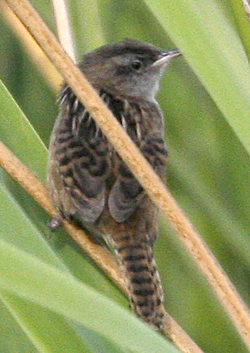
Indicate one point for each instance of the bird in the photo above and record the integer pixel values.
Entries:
(89, 183)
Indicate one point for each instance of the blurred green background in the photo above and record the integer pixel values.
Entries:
(208, 169)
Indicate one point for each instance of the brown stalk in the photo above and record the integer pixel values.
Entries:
(39, 58)
(33, 186)
(218, 280)
(38, 191)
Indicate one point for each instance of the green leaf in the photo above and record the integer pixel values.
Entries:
(56, 290)
(214, 50)
(13, 123)
(23, 223)
(48, 331)
(9, 328)
(208, 169)
(242, 21)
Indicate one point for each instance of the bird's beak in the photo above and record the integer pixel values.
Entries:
(165, 56)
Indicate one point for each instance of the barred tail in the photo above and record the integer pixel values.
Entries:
(137, 262)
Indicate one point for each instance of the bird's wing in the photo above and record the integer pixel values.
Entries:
(127, 194)
(82, 155)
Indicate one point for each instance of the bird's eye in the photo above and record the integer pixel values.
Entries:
(136, 65)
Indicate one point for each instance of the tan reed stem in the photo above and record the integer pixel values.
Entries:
(33, 186)
(218, 280)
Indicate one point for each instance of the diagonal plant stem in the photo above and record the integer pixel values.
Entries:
(47, 69)
(221, 285)
(38, 191)
(33, 186)
(63, 26)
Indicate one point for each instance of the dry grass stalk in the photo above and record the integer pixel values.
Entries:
(222, 286)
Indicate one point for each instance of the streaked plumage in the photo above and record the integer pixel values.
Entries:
(87, 179)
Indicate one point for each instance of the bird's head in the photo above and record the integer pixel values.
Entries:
(129, 69)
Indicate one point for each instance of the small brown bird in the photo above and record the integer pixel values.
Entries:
(89, 182)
